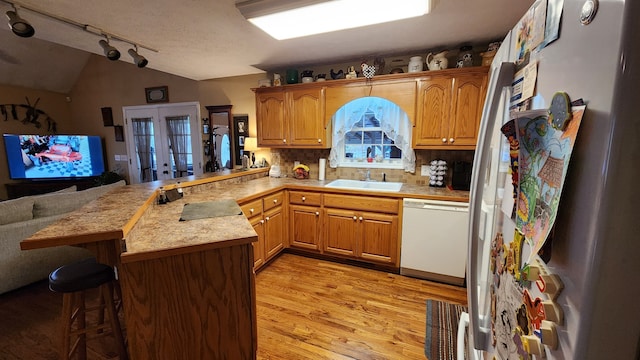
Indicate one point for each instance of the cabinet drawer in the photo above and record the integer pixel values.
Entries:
(273, 200)
(365, 203)
(252, 208)
(305, 198)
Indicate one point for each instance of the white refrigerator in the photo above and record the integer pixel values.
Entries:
(591, 268)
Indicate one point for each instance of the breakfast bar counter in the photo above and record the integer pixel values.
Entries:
(188, 286)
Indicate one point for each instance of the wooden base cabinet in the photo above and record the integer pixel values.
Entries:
(268, 220)
(352, 231)
(305, 221)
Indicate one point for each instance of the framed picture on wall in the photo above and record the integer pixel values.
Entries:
(158, 94)
(118, 131)
(240, 131)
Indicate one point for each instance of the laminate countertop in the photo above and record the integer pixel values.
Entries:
(151, 230)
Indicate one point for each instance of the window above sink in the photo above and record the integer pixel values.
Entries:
(372, 132)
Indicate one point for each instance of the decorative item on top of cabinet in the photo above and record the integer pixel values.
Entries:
(449, 111)
(292, 117)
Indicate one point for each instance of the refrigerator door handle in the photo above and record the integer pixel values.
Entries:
(503, 78)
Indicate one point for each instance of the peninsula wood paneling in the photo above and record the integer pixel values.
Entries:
(192, 306)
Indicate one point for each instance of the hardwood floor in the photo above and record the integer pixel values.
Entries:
(306, 309)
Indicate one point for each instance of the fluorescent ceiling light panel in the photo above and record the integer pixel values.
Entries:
(335, 15)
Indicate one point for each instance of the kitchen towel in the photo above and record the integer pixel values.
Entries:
(322, 164)
(209, 209)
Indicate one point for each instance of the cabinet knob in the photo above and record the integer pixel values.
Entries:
(317, 213)
(261, 221)
(444, 140)
(451, 140)
(319, 141)
(284, 141)
(267, 218)
(304, 198)
(355, 217)
(251, 211)
(275, 201)
(360, 218)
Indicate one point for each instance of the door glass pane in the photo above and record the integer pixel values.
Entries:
(143, 135)
(179, 137)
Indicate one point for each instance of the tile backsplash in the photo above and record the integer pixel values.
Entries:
(310, 158)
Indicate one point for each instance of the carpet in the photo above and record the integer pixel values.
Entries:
(442, 330)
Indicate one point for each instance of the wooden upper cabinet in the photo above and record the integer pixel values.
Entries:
(270, 111)
(469, 94)
(291, 117)
(449, 110)
(434, 107)
(305, 118)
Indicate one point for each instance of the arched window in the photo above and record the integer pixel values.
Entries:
(372, 132)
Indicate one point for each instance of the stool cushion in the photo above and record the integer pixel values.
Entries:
(80, 276)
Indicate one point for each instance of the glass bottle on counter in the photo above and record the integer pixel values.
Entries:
(162, 196)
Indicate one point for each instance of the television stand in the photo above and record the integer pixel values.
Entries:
(37, 187)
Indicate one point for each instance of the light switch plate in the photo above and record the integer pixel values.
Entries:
(424, 170)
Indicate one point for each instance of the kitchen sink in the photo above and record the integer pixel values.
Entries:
(365, 185)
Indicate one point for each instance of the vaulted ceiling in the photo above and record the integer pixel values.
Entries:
(205, 39)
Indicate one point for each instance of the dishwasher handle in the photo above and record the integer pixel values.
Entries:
(445, 208)
(435, 205)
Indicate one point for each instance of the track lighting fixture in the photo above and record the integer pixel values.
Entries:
(18, 25)
(22, 28)
(138, 59)
(109, 51)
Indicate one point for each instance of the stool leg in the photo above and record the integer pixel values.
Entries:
(67, 308)
(115, 322)
(82, 324)
(101, 309)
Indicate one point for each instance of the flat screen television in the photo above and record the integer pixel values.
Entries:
(53, 156)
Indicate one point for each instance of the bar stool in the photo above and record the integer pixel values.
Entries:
(73, 280)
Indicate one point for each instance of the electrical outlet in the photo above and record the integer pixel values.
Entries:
(424, 170)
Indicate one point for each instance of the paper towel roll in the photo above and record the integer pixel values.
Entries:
(321, 165)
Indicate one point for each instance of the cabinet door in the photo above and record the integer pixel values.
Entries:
(305, 117)
(270, 121)
(258, 246)
(434, 106)
(342, 232)
(304, 222)
(468, 93)
(379, 241)
(274, 232)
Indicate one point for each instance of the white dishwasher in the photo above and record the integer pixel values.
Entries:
(434, 240)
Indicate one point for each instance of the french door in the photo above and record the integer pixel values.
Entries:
(163, 141)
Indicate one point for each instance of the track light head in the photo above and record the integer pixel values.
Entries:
(18, 25)
(109, 51)
(138, 59)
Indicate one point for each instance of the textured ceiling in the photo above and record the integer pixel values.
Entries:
(205, 39)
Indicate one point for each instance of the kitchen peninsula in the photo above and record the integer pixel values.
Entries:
(188, 286)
